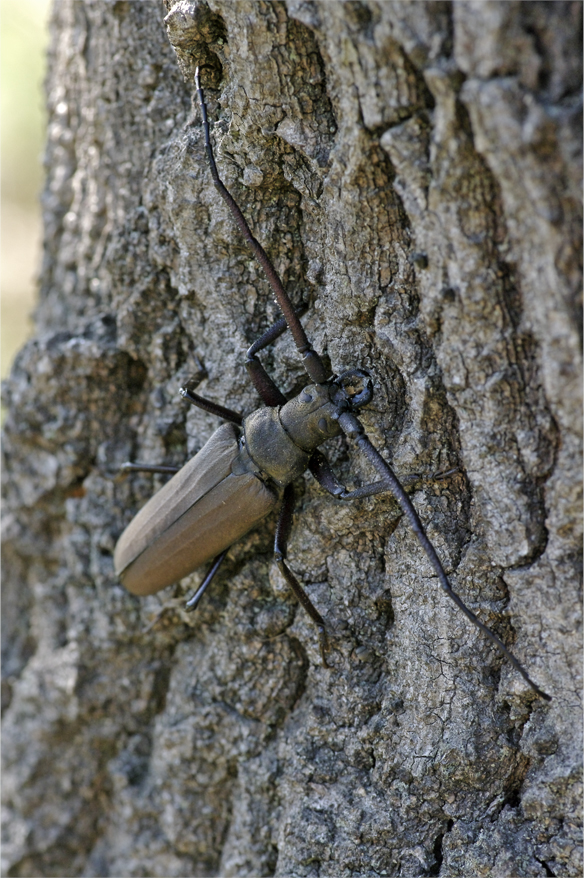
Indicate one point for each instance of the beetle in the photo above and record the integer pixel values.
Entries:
(248, 466)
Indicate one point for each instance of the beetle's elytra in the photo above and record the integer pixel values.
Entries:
(210, 503)
(247, 467)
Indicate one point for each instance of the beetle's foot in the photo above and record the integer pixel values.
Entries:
(192, 603)
(324, 645)
(161, 469)
(415, 481)
(443, 474)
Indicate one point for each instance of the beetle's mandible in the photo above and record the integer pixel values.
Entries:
(247, 467)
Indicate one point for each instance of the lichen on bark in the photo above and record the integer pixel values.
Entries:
(413, 170)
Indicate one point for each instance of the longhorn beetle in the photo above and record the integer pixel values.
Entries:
(248, 466)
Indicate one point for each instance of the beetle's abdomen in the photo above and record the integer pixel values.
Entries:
(202, 510)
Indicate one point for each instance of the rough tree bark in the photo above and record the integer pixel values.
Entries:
(413, 170)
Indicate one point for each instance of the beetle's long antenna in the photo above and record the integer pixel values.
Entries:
(312, 362)
(354, 430)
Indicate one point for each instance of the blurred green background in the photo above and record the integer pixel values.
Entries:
(23, 43)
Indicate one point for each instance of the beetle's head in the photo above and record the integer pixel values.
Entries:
(354, 389)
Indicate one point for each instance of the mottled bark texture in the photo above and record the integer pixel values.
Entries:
(413, 171)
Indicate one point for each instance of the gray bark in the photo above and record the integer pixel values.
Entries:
(413, 170)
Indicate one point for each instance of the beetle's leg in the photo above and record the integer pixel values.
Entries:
(280, 544)
(214, 408)
(266, 387)
(352, 428)
(324, 475)
(411, 482)
(312, 362)
(322, 472)
(193, 602)
(269, 391)
(148, 468)
(271, 394)
(274, 332)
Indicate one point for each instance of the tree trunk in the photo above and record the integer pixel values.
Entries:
(413, 171)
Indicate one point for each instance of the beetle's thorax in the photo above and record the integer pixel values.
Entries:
(309, 418)
(281, 440)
